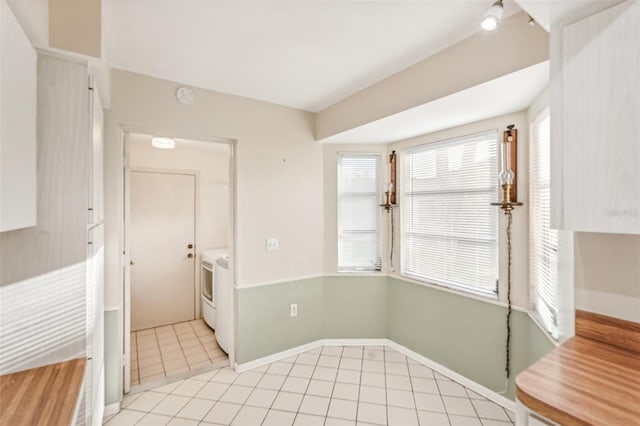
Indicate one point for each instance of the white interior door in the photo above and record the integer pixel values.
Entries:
(162, 242)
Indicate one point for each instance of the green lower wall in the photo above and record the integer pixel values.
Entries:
(112, 386)
(464, 334)
(328, 307)
(355, 307)
(264, 326)
(539, 343)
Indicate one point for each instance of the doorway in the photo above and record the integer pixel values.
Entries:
(177, 205)
(162, 238)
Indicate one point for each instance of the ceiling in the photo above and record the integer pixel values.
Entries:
(548, 12)
(298, 53)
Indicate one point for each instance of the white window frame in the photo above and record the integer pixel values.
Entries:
(493, 293)
(378, 266)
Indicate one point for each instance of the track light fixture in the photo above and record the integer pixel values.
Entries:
(492, 16)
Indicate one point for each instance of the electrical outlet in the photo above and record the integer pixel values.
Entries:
(273, 244)
(293, 310)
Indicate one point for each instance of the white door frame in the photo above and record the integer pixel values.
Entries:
(124, 246)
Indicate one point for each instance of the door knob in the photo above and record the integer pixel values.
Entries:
(190, 246)
(131, 262)
(190, 255)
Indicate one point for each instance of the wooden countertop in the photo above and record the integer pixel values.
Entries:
(587, 380)
(41, 396)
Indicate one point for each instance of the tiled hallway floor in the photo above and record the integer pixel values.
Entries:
(172, 349)
(331, 386)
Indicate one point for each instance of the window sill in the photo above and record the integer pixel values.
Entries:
(536, 320)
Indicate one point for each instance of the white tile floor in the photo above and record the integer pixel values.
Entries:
(331, 386)
(173, 349)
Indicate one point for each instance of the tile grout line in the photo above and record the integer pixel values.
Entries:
(333, 388)
(164, 367)
(137, 361)
(214, 402)
(201, 342)
(435, 379)
(413, 393)
(280, 390)
(386, 400)
(307, 388)
(156, 346)
(360, 384)
(184, 355)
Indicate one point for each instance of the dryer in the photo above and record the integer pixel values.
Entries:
(224, 312)
(207, 286)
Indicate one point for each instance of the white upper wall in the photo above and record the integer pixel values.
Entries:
(278, 174)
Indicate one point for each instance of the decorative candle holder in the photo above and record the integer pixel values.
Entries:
(508, 172)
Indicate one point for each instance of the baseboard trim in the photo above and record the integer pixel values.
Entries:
(464, 381)
(355, 342)
(240, 368)
(111, 409)
(279, 356)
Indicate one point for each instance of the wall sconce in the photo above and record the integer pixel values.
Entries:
(508, 176)
(390, 193)
(390, 201)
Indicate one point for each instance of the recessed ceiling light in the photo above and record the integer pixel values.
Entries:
(163, 143)
(492, 16)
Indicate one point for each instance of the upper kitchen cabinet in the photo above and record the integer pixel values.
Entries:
(18, 97)
(596, 164)
(96, 113)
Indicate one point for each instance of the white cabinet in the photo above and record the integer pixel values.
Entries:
(18, 87)
(598, 172)
(94, 377)
(96, 181)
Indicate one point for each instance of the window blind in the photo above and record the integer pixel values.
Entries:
(358, 213)
(543, 241)
(449, 228)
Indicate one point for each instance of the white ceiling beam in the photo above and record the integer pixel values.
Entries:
(480, 58)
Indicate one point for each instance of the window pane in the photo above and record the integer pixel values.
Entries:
(449, 227)
(543, 241)
(358, 213)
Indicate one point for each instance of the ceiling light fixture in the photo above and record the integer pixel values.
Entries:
(163, 143)
(492, 16)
